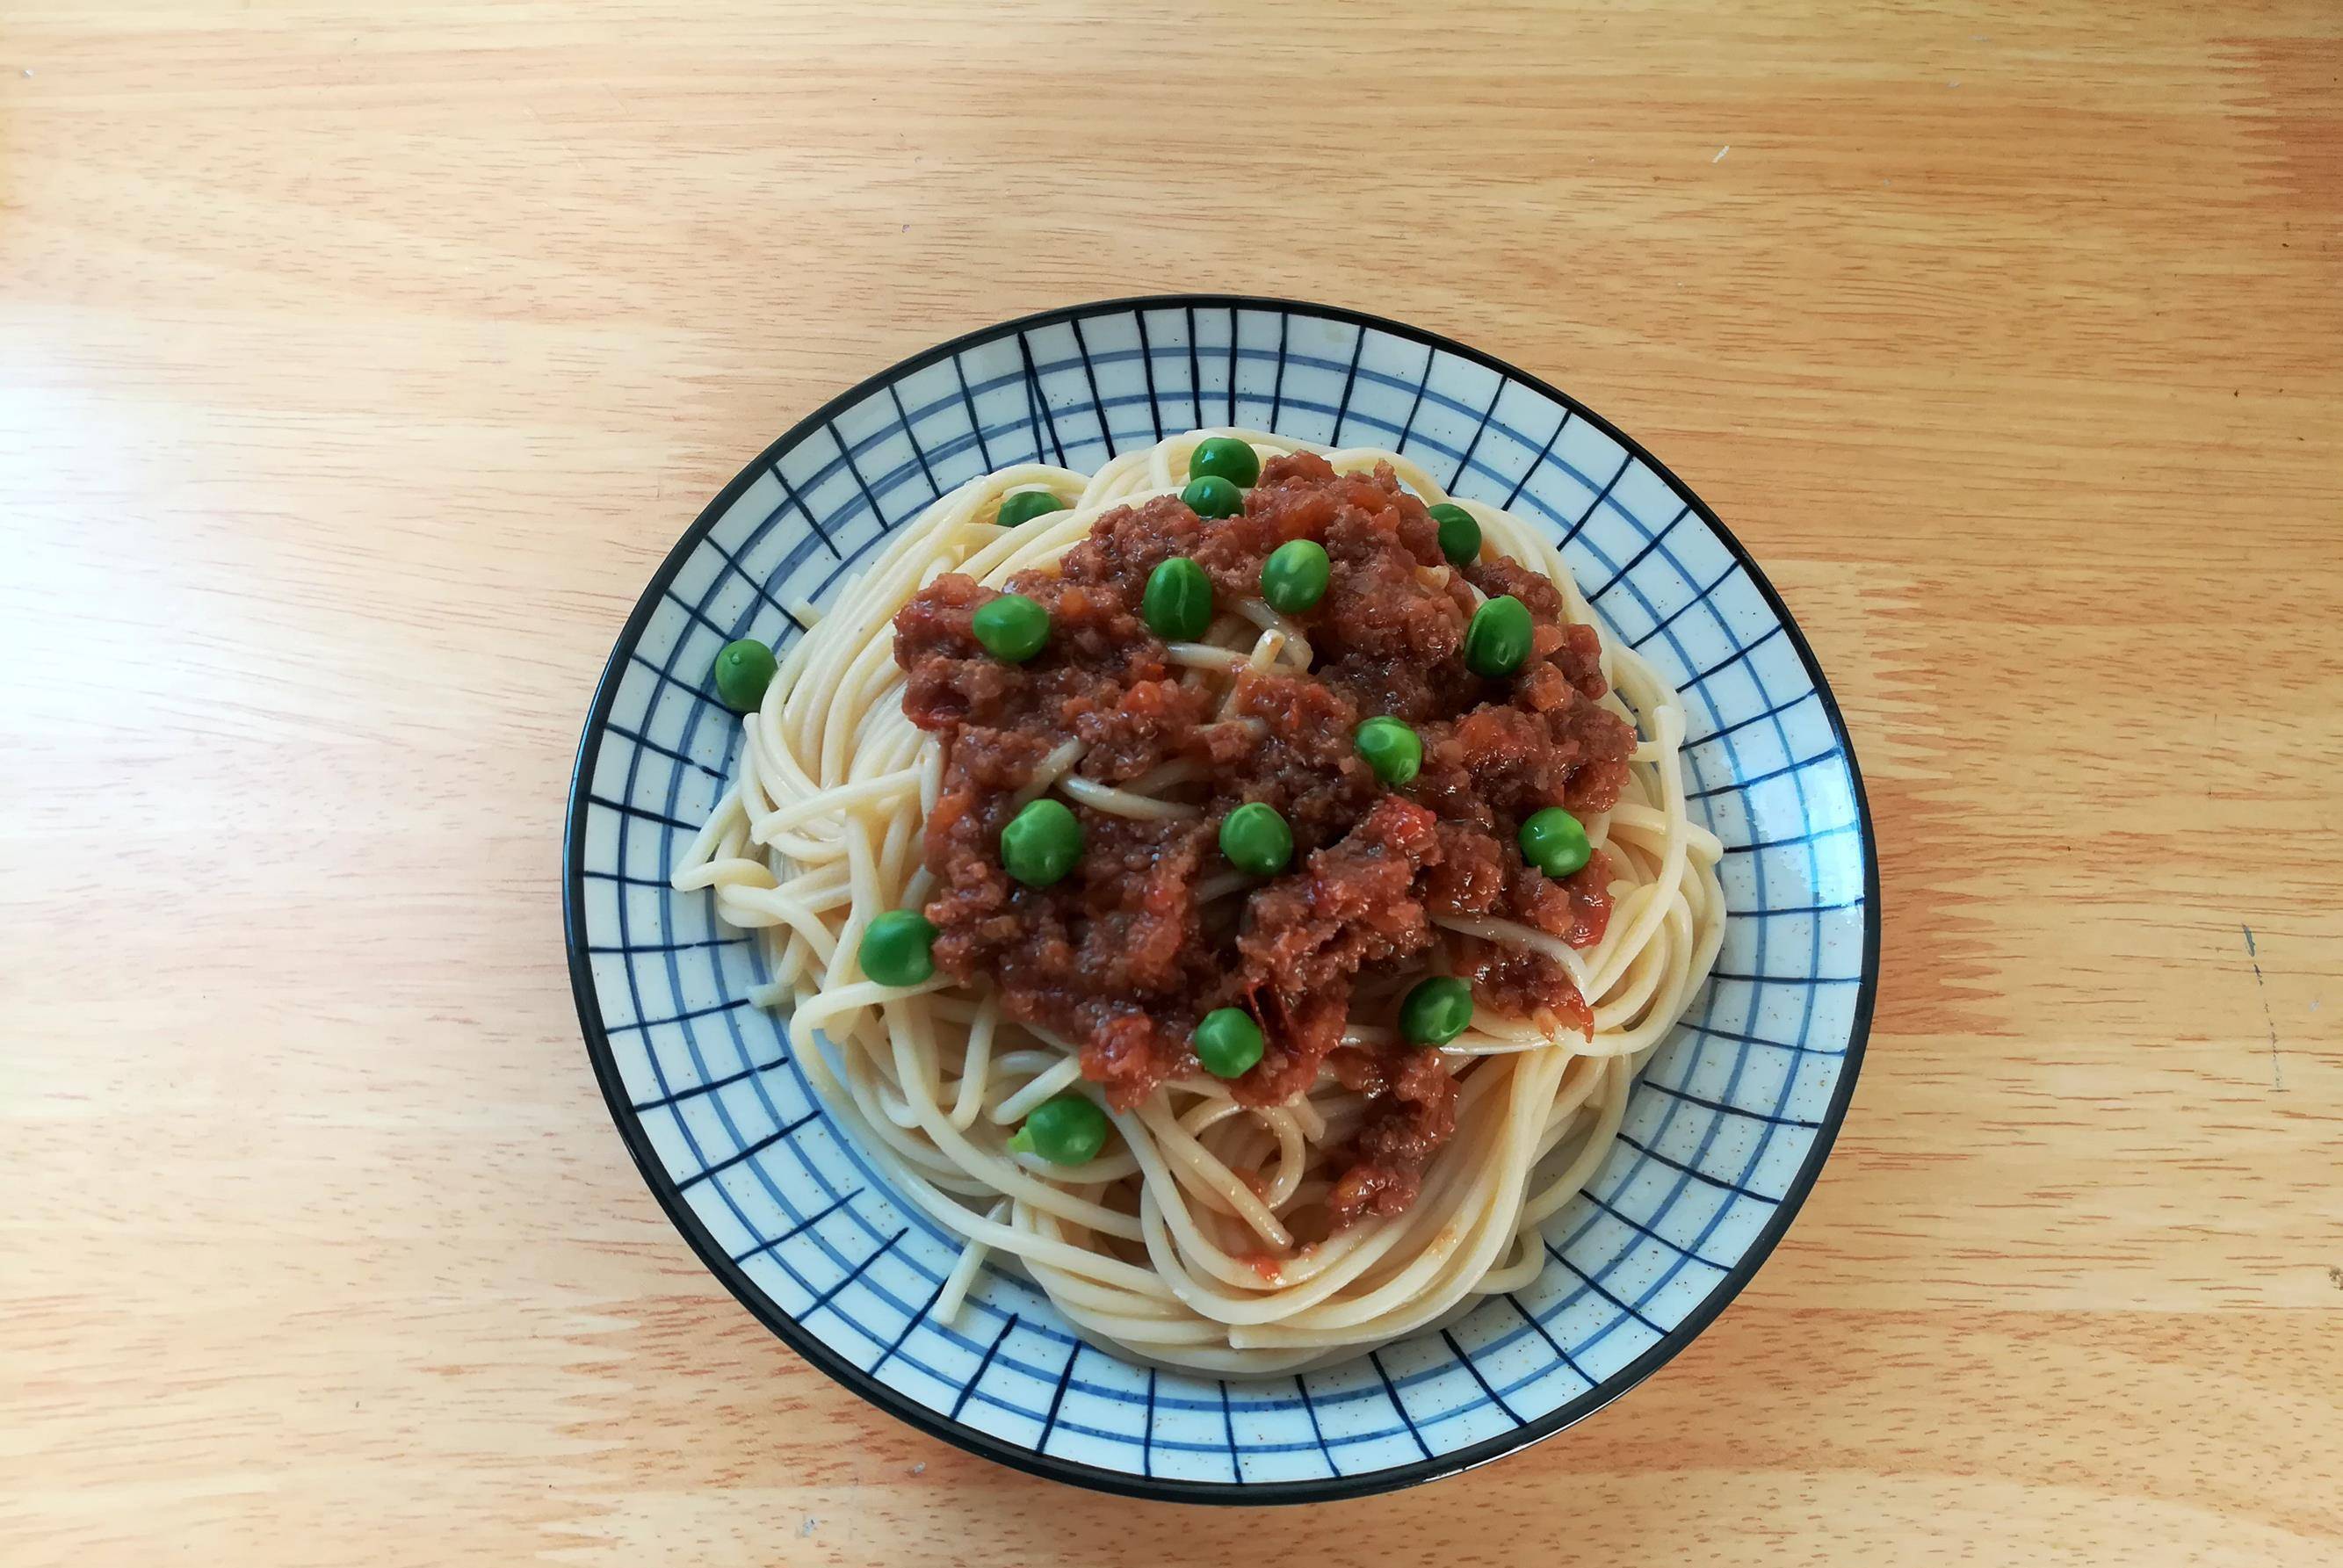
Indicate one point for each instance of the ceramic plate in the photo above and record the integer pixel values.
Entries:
(1728, 1124)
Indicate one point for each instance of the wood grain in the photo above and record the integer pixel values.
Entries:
(359, 363)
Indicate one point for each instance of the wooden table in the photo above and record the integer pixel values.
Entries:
(357, 363)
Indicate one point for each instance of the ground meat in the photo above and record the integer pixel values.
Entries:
(1528, 984)
(1468, 878)
(1351, 905)
(1576, 908)
(1120, 957)
(1412, 1113)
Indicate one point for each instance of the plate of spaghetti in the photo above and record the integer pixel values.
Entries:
(1221, 898)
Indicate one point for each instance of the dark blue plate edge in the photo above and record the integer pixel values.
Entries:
(1245, 1494)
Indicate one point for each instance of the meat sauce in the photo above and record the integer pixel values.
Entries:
(1120, 957)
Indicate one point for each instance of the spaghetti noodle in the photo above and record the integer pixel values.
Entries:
(1215, 1231)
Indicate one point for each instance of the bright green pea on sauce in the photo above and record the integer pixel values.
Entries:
(1011, 627)
(1460, 534)
(1555, 842)
(1497, 642)
(1212, 496)
(1435, 1012)
(1228, 1043)
(1256, 840)
(1042, 844)
(1177, 604)
(1294, 578)
(1389, 746)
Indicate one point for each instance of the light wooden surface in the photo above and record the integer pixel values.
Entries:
(357, 364)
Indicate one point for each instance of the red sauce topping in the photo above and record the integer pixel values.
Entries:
(1120, 957)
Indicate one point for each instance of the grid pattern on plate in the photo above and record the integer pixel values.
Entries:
(1723, 1122)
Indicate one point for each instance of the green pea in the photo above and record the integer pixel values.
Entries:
(1460, 536)
(1435, 1012)
(1178, 603)
(1012, 627)
(743, 670)
(1226, 458)
(1294, 577)
(1065, 1129)
(1212, 496)
(1228, 1043)
(1554, 842)
(1041, 843)
(897, 948)
(1255, 839)
(1498, 641)
(1393, 750)
(1026, 505)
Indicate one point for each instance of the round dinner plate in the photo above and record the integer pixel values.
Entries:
(1728, 1124)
